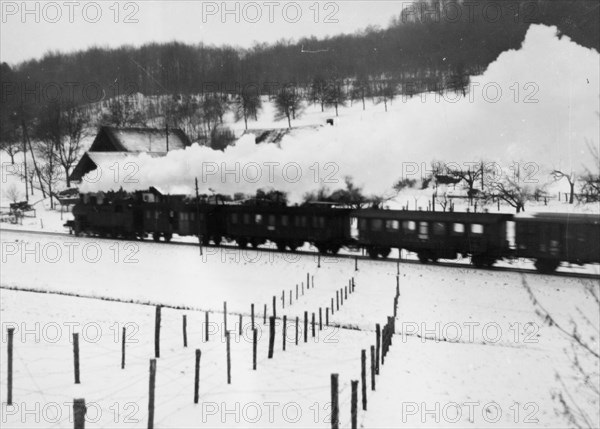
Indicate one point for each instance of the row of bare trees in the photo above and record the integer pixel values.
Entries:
(488, 182)
(50, 144)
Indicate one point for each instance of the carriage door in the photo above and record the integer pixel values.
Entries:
(550, 239)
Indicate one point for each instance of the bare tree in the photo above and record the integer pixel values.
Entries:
(510, 191)
(287, 103)
(584, 357)
(63, 126)
(590, 188)
(11, 192)
(558, 175)
(10, 138)
(469, 176)
(248, 103)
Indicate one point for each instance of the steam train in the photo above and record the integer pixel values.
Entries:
(549, 238)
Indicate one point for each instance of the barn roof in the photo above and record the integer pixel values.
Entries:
(138, 140)
(104, 160)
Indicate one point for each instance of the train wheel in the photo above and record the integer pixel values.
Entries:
(168, 236)
(546, 266)
(372, 252)
(334, 249)
(423, 257)
(280, 245)
(384, 252)
(217, 240)
(156, 236)
(481, 261)
(242, 243)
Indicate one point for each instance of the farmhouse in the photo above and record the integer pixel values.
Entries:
(114, 144)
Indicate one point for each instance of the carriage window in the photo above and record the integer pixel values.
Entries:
(149, 214)
(362, 224)
(193, 216)
(409, 225)
(246, 219)
(234, 218)
(392, 225)
(156, 214)
(258, 219)
(423, 228)
(318, 222)
(285, 220)
(300, 221)
(201, 217)
(376, 224)
(439, 228)
(477, 228)
(459, 228)
(271, 220)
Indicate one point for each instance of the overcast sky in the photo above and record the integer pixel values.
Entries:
(30, 31)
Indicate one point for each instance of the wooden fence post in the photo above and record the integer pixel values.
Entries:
(290, 297)
(206, 326)
(151, 393)
(355, 263)
(9, 366)
(284, 330)
(306, 326)
(327, 316)
(377, 346)
(335, 409)
(271, 336)
(76, 356)
(197, 377)
(157, 332)
(313, 325)
(307, 281)
(320, 318)
(274, 306)
(283, 298)
(79, 410)
(337, 300)
(297, 323)
(296, 291)
(332, 306)
(363, 377)
(252, 315)
(373, 362)
(341, 296)
(265, 315)
(228, 340)
(241, 331)
(224, 316)
(184, 330)
(354, 404)
(123, 339)
(254, 348)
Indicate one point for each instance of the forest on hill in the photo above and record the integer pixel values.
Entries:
(436, 45)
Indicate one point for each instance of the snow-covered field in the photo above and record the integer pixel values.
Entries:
(469, 349)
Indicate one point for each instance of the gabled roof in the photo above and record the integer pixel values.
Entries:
(138, 140)
(104, 160)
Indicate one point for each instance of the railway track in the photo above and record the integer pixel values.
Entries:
(314, 253)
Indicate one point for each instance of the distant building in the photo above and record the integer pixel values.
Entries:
(114, 144)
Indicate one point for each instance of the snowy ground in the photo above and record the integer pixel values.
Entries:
(469, 343)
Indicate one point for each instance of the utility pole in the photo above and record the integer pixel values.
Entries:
(168, 148)
(198, 216)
